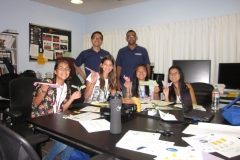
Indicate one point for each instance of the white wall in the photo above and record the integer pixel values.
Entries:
(17, 14)
(159, 12)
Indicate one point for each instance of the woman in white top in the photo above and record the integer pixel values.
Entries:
(172, 93)
(135, 90)
(100, 84)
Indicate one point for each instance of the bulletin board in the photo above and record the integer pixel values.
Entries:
(48, 43)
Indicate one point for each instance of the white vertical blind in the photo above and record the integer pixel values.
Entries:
(216, 39)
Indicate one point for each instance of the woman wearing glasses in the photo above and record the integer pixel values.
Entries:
(172, 93)
(48, 100)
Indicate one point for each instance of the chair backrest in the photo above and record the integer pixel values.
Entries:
(14, 146)
(4, 83)
(20, 91)
(76, 81)
(203, 92)
(159, 78)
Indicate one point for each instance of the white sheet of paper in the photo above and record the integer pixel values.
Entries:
(167, 116)
(34, 50)
(91, 109)
(223, 144)
(144, 142)
(96, 125)
(205, 128)
(48, 54)
(179, 153)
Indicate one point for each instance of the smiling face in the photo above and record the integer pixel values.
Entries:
(141, 73)
(174, 75)
(62, 71)
(107, 67)
(97, 40)
(131, 38)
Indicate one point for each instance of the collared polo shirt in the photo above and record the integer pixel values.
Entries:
(91, 59)
(128, 59)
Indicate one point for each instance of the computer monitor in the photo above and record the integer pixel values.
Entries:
(195, 70)
(229, 74)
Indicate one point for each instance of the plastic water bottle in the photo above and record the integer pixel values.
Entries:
(215, 98)
(115, 114)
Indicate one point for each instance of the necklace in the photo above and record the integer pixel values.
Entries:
(57, 102)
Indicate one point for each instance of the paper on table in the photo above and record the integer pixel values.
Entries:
(49, 84)
(179, 153)
(83, 116)
(205, 128)
(148, 83)
(161, 103)
(91, 109)
(167, 116)
(96, 103)
(223, 144)
(96, 125)
(145, 142)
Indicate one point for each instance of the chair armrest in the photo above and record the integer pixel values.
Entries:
(37, 138)
(13, 114)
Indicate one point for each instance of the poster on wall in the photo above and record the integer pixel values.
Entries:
(48, 43)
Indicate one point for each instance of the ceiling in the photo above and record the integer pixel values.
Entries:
(89, 6)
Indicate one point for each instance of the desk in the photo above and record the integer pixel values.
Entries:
(73, 134)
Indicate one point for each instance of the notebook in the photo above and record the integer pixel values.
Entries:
(188, 110)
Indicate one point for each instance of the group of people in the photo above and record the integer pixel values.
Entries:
(104, 76)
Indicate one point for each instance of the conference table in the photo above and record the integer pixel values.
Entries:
(74, 134)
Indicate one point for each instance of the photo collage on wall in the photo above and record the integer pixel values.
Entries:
(48, 43)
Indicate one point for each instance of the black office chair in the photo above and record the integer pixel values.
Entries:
(20, 91)
(4, 92)
(76, 81)
(14, 146)
(203, 93)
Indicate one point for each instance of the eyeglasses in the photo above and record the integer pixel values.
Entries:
(97, 38)
(133, 36)
(64, 69)
(174, 74)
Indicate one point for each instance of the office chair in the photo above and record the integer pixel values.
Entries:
(14, 146)
(76, 81)
(203, 92)
(20, 94)
(4, 93)
(159, 78)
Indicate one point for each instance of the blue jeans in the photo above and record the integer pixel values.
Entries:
(56, 149)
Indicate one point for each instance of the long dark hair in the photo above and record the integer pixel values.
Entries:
(67, 81)
(112, 83)
(172, 95)
(135, 82)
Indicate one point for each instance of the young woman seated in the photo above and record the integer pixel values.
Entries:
(172, 93)
(133, 89)
(100, 84)
(47, 100)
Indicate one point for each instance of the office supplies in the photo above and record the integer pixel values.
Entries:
(163, 132)
(188, 110)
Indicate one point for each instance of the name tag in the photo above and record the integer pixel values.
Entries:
(138, 54)
(101, 57)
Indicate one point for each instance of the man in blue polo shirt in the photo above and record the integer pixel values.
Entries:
(91, 57)
(128, 57)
